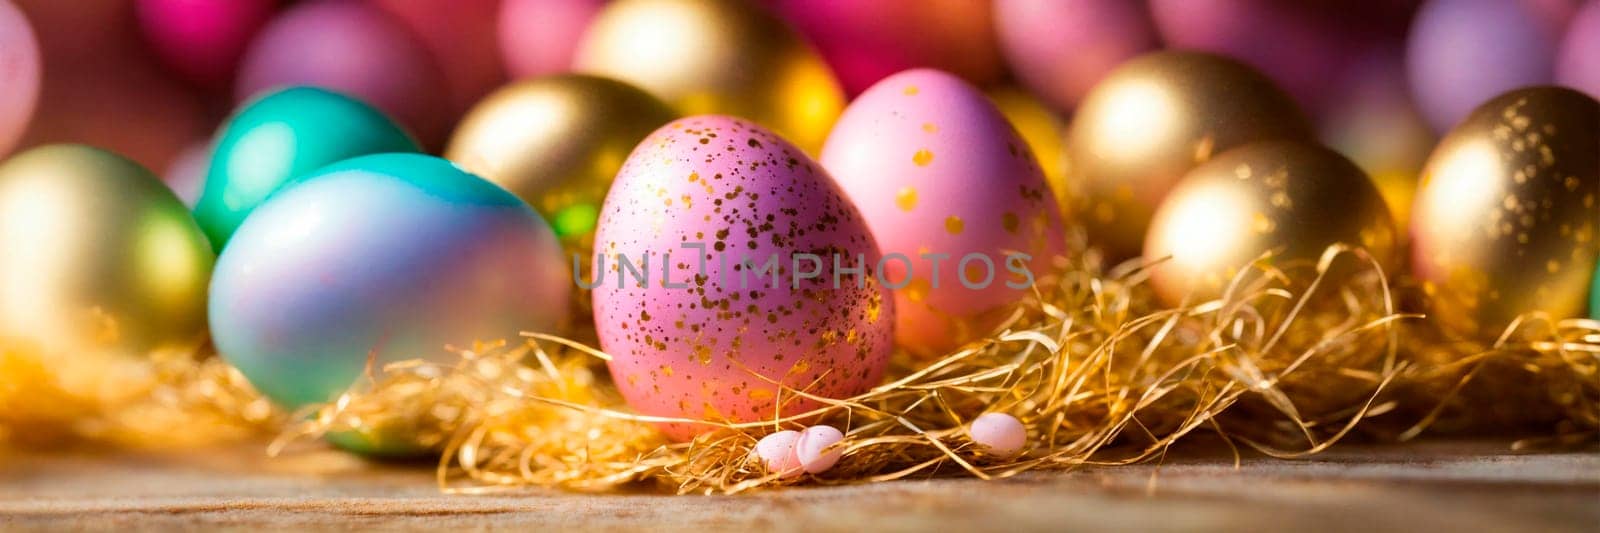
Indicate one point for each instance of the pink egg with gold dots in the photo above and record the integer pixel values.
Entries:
(727, 261)
(955, 198)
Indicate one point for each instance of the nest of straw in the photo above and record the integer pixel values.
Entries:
(1291, 359)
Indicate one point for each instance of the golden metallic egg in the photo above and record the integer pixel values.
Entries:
(97, 255)
(1505, 221)
(717, 56)
(1042, 129)
(1155, 118)
(1292, 198)
(557, 142)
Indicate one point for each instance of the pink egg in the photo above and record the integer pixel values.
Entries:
(777, 453)
(186, 176)
(952, 194)
(812, 448)
(1061, 48)
(202, 40)
(97, 83)
(999, 434)
(539, 37)
(867, 41)
(19, 75)
(461, 36)
(739, 253)
(356, 49)
(1578, 62)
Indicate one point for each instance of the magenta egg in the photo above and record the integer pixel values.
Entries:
(727, 261)
(539, 37)
(356, 49)
(202, 40)
(1300, 45)
(1461, 53)
(867, 41)
(461, 36)
(19, 75)
(1061, 48)
(1578, 62)
(953, 195)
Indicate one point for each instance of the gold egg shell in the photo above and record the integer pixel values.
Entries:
(1292, 198)
(97, 255)
(557, 142)
(1151, 120)
(1505, 220)
(717, 56)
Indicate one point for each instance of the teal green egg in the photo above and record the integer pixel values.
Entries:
(280, 136)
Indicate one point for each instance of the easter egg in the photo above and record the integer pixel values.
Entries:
(460, 34)
(1375, 124)
(867, 41)
(1507, 219)
(1461, 53)
(729, 261)
(79, 74)
(1061, 48)
(96, 255)
(1300, 45)
(716, 56)
(186, 176)
(1150, 121)
(540, 37)
(1578, 58)
(557, 142)
(943, 180)
(389, 257)
(1291, 198)
(282, 135)
(354, 48)
(20, 79)
(1042, 129)
(202, 40)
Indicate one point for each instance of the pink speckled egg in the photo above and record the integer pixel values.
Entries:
(540, 37)
(777, 453)
(353, 48)
(202, 40)
(953, 195)
(725, 258)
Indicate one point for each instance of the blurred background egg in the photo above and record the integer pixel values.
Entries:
(1302, 45)
(705, 350)
(202, 40)
(89, 77)
(1461, 53)
(867, 41)
(716, 56)
(20, 77)
(186, 176)
(357, 49)
(97, 256)
(389, 257)
(1374, 122)
(557, 142)
(278, 137)
(460, 34)
(936, 169)
(1578, 57)
(1291, 198)
(1150, 121)
(540, 37)
(1061, 48)
(1506, 218)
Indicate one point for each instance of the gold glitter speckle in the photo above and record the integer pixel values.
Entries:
(910, 90)
(929, 127)
(922, 157)
(954, 225)
(906, 199)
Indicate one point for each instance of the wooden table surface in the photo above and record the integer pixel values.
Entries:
(1432, 486)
